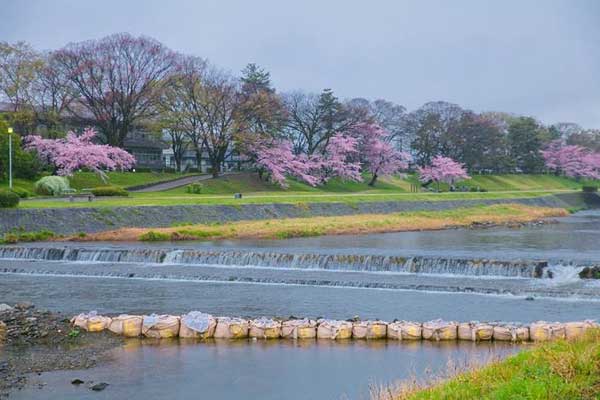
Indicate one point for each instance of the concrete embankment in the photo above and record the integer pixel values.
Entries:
(65, 221)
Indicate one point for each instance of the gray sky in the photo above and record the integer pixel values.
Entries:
(539, 58)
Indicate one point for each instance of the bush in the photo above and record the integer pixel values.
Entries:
(22, 193)
(8, 199)
(109, 191)
(590, 189)
(153, 236)
(52, 185)
(16, 236)
(194, 188)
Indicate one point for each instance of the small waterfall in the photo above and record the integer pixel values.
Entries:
(563, 274)
(82, 254)
(344, 262)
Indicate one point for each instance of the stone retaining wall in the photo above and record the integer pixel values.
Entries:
(66, 221)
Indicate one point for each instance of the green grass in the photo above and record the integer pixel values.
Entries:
(220, 190)
(81, 180)
(269, 197)
(84, 180)
(558, 370)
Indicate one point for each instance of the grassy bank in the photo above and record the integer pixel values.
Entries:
(220, 191)
(151, 199)
(558, 370)
(353, 224)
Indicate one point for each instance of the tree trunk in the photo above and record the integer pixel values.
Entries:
(198, 159)
(216, 168)
(373, 180)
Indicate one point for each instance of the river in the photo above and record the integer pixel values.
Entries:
(486, 274)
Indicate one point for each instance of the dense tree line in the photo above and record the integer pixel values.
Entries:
(120, 83)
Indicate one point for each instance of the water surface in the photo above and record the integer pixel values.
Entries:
(259, 370)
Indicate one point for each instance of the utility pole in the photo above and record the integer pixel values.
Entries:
(10, 183)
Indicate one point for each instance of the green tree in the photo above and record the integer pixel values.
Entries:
(25, 164)
(525, 142)
(478, 142)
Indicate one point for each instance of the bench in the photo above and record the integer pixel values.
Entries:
(84, 193)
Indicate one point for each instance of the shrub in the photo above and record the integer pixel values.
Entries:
(8, 199)
(109, 191)
(52, 185)
(194, 188)
(590, 189)
(153, 236)
(16, 236)
(22, 193)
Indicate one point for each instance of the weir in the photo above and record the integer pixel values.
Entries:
(307, 261)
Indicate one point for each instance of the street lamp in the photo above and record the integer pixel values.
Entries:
(10, 131)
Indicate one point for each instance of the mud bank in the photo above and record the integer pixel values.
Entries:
(65, 221)
(36, 341)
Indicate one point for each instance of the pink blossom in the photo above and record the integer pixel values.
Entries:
(573, 161)
(379, 156)
(340, 159)
(442, 169)
(76, 152)
(278, 160)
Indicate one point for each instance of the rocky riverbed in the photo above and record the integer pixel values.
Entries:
(36, 341)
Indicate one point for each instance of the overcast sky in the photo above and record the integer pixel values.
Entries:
(539, 58)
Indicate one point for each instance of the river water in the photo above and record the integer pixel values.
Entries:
(492, 274)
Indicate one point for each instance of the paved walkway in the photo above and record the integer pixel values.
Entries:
(175, 183)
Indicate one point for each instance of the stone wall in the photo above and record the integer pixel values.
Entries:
(74, 220)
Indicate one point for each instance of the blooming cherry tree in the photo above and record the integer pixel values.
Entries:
(340, 159)
(75, 152)
(442, 169)
(278, 160)
(380, 158)
(573, 161)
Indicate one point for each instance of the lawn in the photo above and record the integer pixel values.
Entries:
(82, 180)
(162, 199)
(220, 190)
(557, 370)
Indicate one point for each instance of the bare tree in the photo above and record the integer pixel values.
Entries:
(19, 67)
(314, 119)
(118, 80)
(388, 115)
(51, 96)
(218, 115)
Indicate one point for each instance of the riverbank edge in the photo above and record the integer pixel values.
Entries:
(70, 221)
(555, 370)
(486, 216)
(33, 341)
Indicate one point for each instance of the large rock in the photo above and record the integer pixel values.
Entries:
(590, 272)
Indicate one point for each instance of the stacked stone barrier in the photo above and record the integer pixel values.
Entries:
(198, 325)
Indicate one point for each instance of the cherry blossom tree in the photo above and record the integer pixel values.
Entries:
(276, 159)
(571, 160)
(442, 169)
(75, 152)
(280, 161)
(378, 155)
(340, 159)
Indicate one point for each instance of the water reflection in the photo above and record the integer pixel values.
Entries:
(276, 369)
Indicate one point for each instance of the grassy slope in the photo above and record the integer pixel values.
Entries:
(269, 198)
(352, 224)
(558, 370)
(83, 180)
(219, 191)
